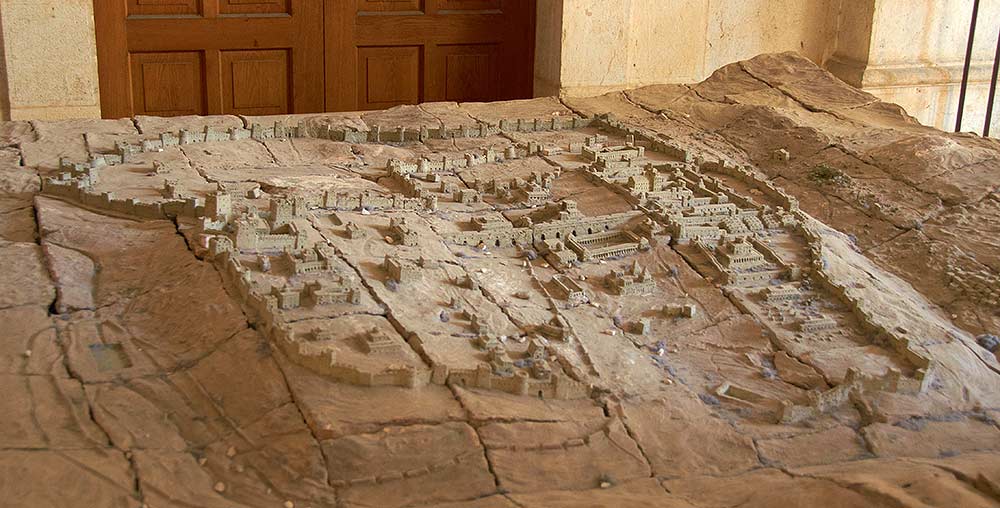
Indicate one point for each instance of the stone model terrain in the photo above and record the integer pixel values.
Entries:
(766, 289)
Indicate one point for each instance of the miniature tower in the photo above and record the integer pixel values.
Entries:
(510, 153)
(219, 205)
(282, 212)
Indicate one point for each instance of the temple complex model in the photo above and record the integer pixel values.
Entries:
(292, 256)
(701, 296)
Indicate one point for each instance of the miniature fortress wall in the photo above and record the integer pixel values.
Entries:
(262, 310)
(76, 184)
(72, 183)
(855, 384)
(557, 386)
(886, 332)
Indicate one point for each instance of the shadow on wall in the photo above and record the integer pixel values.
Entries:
(4, 91)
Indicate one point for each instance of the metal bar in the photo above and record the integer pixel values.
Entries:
(965, 70)
(993, 89)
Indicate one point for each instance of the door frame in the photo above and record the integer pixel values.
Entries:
(113, 69)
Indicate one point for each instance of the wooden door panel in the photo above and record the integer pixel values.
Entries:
(385, 29)
(468, 5)
(469, 71)
(164, 7)
(389, 76)
(462, 45)
(297, 56)
(221, 33)
(255, 82)
(389, 5)
(168, 84)
(254, 7)
(257, 56)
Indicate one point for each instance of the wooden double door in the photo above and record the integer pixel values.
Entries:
(261, 57)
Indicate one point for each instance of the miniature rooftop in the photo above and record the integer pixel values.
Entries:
(765, 288)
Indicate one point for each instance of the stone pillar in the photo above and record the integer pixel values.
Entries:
(912, 53)
(49, 64)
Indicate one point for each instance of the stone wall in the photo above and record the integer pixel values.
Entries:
(607, 45)
(911, 52)
(49, 60)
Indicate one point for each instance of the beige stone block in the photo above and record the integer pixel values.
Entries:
(51, 58)
(595, 41)
(659, 50)
(744, 29)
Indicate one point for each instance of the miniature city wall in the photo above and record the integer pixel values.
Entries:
(711, 214)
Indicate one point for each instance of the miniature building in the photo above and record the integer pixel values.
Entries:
(694, 212)
(540, 369)
(741, 255)
(687, 310)
(817, 324)
(536, 349)
(533, 194)
(307, 260)
(219, 244)
(468, 282)
(556, 253)
(651, 180)
(354, 232)
(643, 326)
(488, 342)
(555, 329)
(252, 233)
(569, 290)
(490, 229)
(500, 362)
(284, 210)
(490, 222)
(612, 154)
(467, 196)
(169, 190)
(776, 294)
(287, 298)
(322, 293)
(320, 334)
(398, 270)
(535, 191)
(606, 244)
(219, 205)
(378, 342)
(632, 282)
(479, 325)
(402, 233)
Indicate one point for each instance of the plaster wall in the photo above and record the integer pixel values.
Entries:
(49, 60)
(548, 44)
(615, 44)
